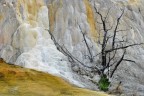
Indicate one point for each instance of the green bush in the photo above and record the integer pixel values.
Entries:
(103, 83)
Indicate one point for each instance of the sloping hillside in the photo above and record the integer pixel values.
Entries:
(17, 81)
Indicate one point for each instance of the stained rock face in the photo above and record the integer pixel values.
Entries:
(25, 40)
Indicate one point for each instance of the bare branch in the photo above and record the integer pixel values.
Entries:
(115, 30)
(123, 47)
(122, 30)
(129, 60)
(118, 63)
(89, 50)
(107, 14)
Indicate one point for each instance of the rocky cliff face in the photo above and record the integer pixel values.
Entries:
(25, 41)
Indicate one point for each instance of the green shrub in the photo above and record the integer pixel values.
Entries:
(103, 83)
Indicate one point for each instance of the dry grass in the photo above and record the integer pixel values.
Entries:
(17, 81)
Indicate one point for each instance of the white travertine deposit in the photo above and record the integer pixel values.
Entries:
(25, 41)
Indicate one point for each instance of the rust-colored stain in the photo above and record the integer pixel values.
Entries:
(51, 17)
(53, 7)
(91, 20)
(1, 17)
(30, 8)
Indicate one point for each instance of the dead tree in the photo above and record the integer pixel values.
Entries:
(109, 58)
